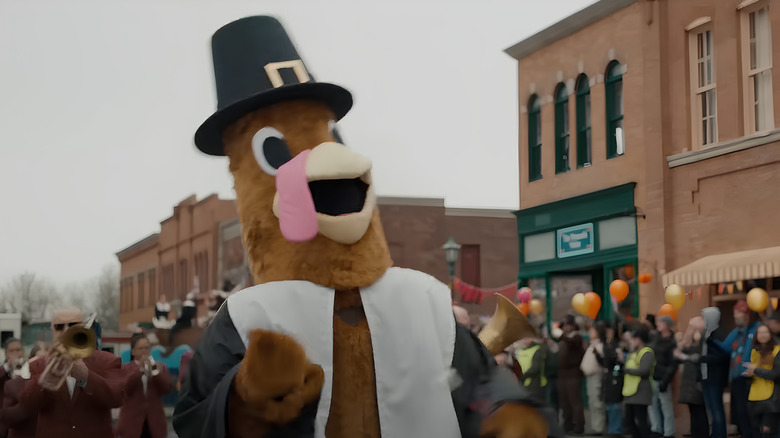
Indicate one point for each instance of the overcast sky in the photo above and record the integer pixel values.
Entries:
(99, 101)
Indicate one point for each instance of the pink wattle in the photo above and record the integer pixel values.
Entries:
(297, 215)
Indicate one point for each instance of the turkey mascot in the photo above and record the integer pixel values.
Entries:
(332, 341)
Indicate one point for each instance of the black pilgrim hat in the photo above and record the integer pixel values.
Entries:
(256, 65)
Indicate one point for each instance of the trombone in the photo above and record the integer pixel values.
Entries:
(77, 342)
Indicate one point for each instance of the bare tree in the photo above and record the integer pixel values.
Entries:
(29, 295)
(107, 299)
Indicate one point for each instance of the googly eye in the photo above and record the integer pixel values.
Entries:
(270, 149)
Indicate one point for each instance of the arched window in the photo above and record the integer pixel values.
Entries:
(534, 139)
(614, 95)
(583, 122)
(561, 129)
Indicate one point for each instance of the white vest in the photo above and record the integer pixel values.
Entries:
(412, 335)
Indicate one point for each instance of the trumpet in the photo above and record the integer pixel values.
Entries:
(77, 342)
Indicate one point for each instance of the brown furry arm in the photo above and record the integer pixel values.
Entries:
(514, 420)
(272, 385)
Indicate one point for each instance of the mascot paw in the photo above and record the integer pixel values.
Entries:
(514, 420)
(273, 383)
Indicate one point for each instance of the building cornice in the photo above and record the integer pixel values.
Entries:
(723, 148)
(480, 212)
(566, 27)
(412, 202)
(142, 244)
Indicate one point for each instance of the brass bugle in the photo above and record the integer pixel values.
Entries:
(507, 326)
(77, 342)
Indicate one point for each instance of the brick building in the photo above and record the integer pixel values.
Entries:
(203, 240)
(169, 262)
(648, 143)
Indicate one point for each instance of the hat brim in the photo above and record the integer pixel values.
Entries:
(208, 137)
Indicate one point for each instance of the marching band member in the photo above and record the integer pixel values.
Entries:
(142, 414)
(74, 398)
(21, 422)
(14, 358)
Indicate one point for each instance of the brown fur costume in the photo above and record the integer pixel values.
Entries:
(273, 381)
(321, 261)
(353, 411)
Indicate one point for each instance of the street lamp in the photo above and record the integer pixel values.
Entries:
(451, 250)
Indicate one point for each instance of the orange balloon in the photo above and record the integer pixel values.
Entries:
(524, 308)
(668, 310)
(629, 271)
(645, 278)
(593, 303)
(619, 290)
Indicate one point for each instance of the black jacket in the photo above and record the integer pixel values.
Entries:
(202, 410)
(570, 353)
(665, 363)
(717, 361)
(690, 384)
(612, 385)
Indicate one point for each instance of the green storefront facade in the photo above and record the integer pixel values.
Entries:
(579, 245)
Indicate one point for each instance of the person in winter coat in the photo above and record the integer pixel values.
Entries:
(691, 394)
(571, 350)
(531, 357)
(594, 374)
(612, 383)
(637, 389)
(739, 344)
(714, 368)
(764, 368)
(661, 411)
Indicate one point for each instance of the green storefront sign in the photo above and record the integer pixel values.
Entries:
(575, 240)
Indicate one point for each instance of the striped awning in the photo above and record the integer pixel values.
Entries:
(724, 268)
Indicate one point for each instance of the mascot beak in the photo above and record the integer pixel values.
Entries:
(325, 190)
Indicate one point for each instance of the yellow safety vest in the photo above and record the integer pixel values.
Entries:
(762, 389)
(630, 381)
(525, 358)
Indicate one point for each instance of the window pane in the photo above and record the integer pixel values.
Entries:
(762, 100)
(616, 232)
(620, 147)
(538, 247)
(752, 20)
(700, 46)
(711, 102)
(562, 130)
(619, 98)
(587, 110)
(712, 133)
(563, 289)
(534, 141)
(756, 108)
(704, 132)
(538, 130)
(588, 159)
(701, 73)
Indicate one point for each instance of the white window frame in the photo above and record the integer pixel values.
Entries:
(698, 91)
(750, 99)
